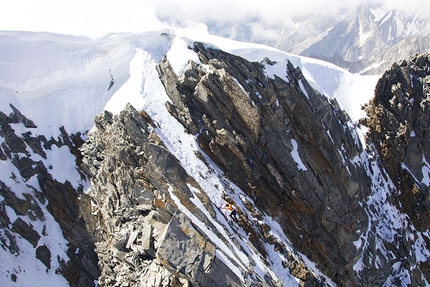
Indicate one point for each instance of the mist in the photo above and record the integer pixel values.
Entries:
(266, 19)
(270, 11)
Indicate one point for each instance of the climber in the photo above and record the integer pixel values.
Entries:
(233, 211)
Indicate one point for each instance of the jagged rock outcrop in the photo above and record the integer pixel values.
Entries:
(142, 238)
(34, 193)
(399, 122)
(254, 128)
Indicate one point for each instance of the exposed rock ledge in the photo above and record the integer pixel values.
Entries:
(141, 236)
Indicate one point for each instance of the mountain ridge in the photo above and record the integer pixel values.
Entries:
(251, 118)
(364, 40)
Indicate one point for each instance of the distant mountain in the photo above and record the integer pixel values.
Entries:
(118, 157)
(364, 41)
(368, 38)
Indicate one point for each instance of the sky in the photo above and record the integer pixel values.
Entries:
(95, 18)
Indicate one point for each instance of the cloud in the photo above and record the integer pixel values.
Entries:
(269, 10)
(78, 17)
(97, 17)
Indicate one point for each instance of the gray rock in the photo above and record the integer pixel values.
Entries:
(242, 116)
(121, 243)
(26, 231)
(146, 239)
(44, 255)
(200, 265)
(131, 239)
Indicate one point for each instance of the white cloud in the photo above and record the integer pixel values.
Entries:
(97, 17)
(78, 17)
(269, 10)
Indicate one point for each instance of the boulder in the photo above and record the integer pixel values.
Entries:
(200, 266)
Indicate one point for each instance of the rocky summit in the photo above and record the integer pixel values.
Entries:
(322, 201)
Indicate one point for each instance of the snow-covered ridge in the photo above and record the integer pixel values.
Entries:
(70, 82)
(69, 77)
(65, 77)
(350, 90)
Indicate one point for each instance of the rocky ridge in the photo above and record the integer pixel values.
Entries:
(142, 238)
(398, 118)
(250, 124)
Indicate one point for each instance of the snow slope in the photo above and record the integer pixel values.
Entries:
(68, 77)
(350, 90)
(58, 80)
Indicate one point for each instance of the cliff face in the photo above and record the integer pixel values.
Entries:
(398, 119)
(253, 127)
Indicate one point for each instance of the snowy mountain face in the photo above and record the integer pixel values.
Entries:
(95, 190)
(366, 40)
(361, 42)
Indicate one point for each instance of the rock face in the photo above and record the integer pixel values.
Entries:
(399, 122)
(287, 148)
(142, 237)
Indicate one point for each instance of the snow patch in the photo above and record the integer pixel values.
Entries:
(426, 171)
(179, 55)
(302, 87)
(61, 164)
(379, 13)
(131, 91)
(363, 36)
(296, 156)
(278, 69)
